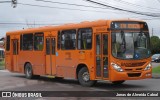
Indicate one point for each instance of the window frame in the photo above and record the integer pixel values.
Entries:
(91, 37)
(59, 41)
(34, 41)
(21, 42)
(71, 39)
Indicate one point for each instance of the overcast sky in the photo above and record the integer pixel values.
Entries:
(25, 16)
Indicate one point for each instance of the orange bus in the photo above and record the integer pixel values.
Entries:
(113, 50)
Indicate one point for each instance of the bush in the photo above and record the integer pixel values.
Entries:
(156, 70)
(1, 65)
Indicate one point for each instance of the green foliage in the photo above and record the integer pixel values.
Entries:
(155, 44)
(1, 65)
(156, 70)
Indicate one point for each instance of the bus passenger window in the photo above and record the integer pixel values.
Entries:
(53, 46)
(38, 41)
(28, 41)
(48, 46)
(105, 44)
(8, 43)
(68, 40)
(85, 38)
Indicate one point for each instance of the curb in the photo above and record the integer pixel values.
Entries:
(156, 76)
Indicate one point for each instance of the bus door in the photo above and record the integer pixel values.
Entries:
(50, 56)
(15, 54)
(101, 56)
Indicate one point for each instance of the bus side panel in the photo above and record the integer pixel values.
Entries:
(38, 62)
(8, 61)
(87, 58)
(36, 59)
(21, 62)
(66, 62)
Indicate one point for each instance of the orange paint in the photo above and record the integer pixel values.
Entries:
(64, 63)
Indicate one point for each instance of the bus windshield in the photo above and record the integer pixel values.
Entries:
(130, 45)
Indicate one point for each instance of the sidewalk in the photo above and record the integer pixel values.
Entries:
(155, 75)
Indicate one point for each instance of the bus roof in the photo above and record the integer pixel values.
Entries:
(69, 26)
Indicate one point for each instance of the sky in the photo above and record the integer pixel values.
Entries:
(25, 16)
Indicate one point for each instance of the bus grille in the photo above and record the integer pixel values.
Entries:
(134, 74)
(137, 69)
(133, 64)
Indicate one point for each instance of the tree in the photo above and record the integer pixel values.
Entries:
(155, 44)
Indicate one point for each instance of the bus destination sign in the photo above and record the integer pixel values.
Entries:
(129, 25)
(134, 26)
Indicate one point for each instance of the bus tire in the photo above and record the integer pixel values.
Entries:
(84, 78)
(36, 76)
(118, 82)
(28, 71)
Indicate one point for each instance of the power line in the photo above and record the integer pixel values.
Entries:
(150, 18)
(13, 2)
(74, 4)
(65, 8)
(120, 9)
(124, 7)
(110, 7)
(6, 23)
(5, 1)
(132, 4)
(158, 1)
(70, 4)
(127, 10)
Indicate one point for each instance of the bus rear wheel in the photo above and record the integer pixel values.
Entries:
(118, 82)
(28, 71)
(84, 77)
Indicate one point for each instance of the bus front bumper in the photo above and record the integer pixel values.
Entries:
(118, 76)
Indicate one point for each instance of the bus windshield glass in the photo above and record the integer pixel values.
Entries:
(130, 45)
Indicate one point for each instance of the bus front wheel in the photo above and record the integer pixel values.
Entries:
(28, 71)
(118, 82)
(84, 77)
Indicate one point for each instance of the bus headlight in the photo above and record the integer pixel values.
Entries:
(116, 67)
(148, 67)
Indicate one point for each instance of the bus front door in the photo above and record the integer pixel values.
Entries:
(101, 56)
(15, 54)
(50, 56)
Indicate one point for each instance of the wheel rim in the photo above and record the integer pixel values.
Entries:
(28, 71)
(85, 76)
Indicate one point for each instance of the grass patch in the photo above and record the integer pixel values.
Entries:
(156, 70)
(1, 65)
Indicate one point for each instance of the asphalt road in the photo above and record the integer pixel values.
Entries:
(18, 82)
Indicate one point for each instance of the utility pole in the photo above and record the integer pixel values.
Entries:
(152, 31)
